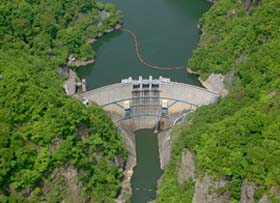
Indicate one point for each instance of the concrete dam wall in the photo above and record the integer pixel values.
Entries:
(145, 101)
(149, 103)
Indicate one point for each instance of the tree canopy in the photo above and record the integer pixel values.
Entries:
(41, 129)
(238, 137)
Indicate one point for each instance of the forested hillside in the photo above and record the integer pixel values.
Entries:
(52, 148)
(238, 138)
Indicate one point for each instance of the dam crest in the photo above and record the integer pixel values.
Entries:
(142, 103)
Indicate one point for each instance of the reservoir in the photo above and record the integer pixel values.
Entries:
(167, 34)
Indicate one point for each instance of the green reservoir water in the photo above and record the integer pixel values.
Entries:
(147, 170)
(167, 34)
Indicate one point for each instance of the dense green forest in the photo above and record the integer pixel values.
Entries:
(52, 148)
(239, 137)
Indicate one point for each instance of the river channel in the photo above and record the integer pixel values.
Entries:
(167, 35)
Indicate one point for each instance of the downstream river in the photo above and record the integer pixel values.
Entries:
(167, 35)
(147, 170)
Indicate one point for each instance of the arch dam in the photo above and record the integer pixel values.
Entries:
(142, 103)
(147, 103)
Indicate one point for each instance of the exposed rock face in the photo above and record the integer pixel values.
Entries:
(275, 192)
(164, 144)
(70, 83)
(247, 192)
(55, 144)
(83, 131)
(215, 83)
(206, 191)
(129, 140)
(64, 185)
(265, 199)
(104, 14)
(71, 176)
(186, 171)
(79, 63)
(248, 4)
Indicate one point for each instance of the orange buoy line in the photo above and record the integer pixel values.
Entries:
(140, 58)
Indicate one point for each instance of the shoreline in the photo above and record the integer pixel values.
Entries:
(81, 63)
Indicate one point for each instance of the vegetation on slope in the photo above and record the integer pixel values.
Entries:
(238, 137)
(41, 129)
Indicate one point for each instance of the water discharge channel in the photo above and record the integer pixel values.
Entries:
(147, 170)
(167, 33)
